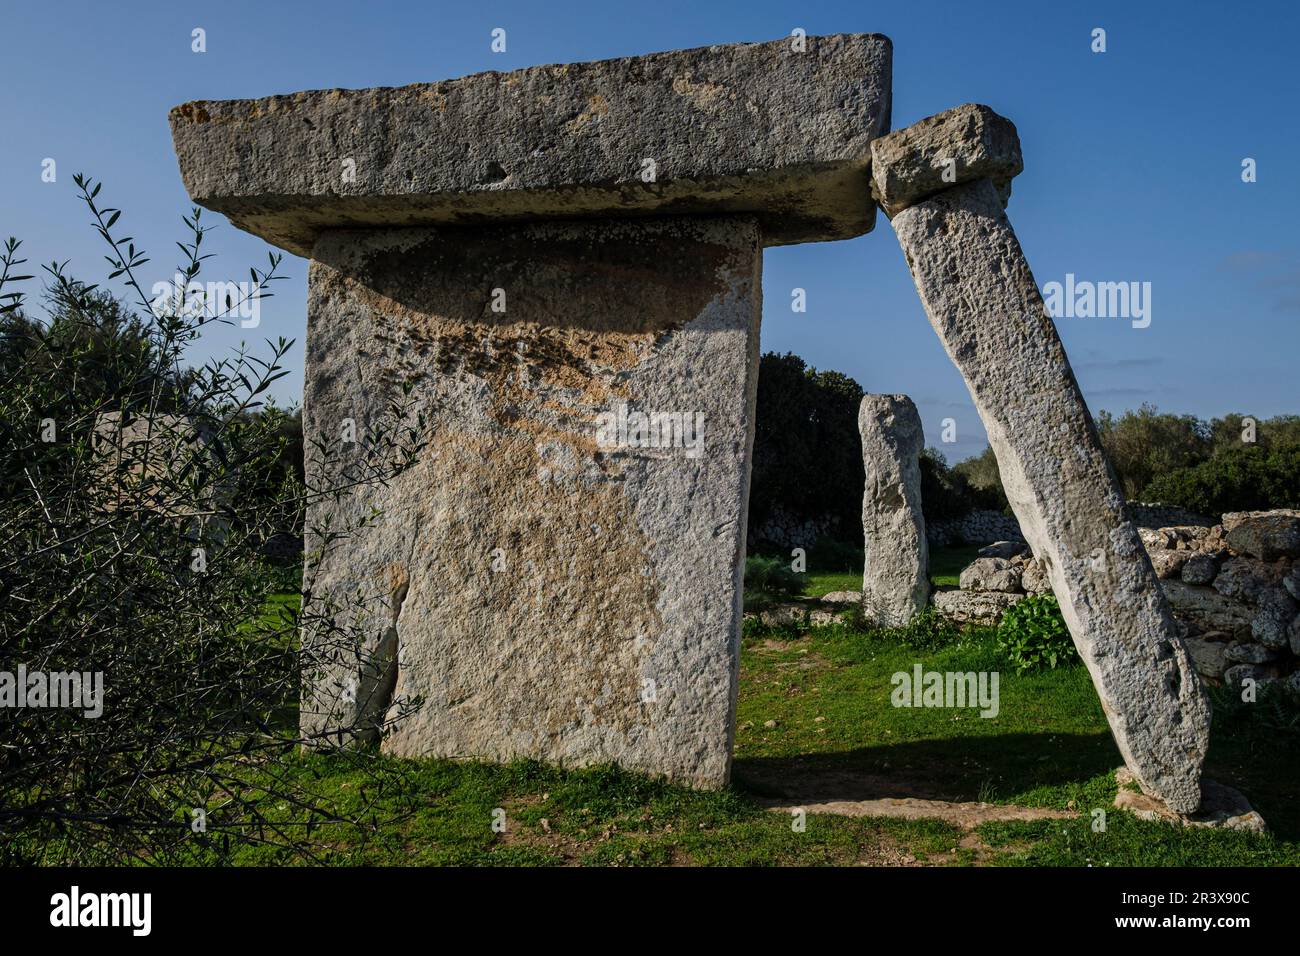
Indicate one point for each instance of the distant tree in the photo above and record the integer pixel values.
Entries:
(807, 451)
(947, 493)
(1231, 432)
(1145, 443)
(112, 349)
(982, 476)
(1241, 478)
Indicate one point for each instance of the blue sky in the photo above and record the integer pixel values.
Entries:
(1132, 161)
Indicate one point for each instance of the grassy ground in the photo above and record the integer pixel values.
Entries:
(814, 712)
(945, 565)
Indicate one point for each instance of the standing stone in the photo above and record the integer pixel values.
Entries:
(895, 578)
(555, 577)
(982, 300)
(488, 271)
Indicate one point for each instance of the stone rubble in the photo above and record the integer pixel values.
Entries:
(1232, 594)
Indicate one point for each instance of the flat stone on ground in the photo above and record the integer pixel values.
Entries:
(975, 607)
(1222, 807)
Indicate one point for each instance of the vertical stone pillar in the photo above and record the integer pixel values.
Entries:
(558, 576)
(895, 577)
(982, 300)
(550, 578)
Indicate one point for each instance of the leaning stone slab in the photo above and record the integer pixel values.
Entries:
(982, 300)
(895, 579)
(956, 146)
(763, 129)
(555, 576)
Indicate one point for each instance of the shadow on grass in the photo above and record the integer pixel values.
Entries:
(1043, 769)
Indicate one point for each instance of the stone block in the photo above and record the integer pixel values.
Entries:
(553, 576)
(749, 128)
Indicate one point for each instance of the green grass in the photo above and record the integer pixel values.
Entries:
(827, 694)
(946, 565)
(442, 813)
(277, 616)
(823, 584)
(1048, 747)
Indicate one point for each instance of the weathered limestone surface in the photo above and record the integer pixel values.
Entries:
(977, 607)
(744, 128)
(895, 579)
(543, 594)
(965, 143)
(990, 574)
(1267, 535)
(618, 566)
(982, 301)
(1221, 807)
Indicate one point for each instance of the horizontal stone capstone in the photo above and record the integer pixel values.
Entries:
(956, 146)
(780, 130)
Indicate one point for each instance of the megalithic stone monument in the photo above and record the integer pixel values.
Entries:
(561, 267)
(556, 273)
(944, 182)
(896, 570)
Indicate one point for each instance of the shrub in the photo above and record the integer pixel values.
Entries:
(947, 493)
(135, 495)
(1235, 479)
(928, 629)
(772, 576)
(1033, 635)
(807, 453)
(1233, 463)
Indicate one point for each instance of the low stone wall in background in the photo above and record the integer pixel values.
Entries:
(1234, 588)
(787, 530)
(1165, 516)
(978, 527)
(974, 527)
(983, 527)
